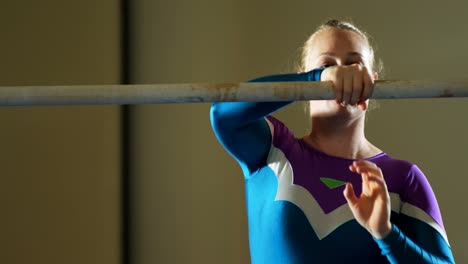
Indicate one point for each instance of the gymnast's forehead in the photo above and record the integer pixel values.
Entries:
(338, 43)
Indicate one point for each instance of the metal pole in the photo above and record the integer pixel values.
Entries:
(215, 92)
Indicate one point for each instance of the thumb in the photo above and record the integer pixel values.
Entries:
(349, 194)
(363, 105)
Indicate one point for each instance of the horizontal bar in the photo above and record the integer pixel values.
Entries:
(214, 92)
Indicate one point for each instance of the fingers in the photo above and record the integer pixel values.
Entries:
(364, 166)
(377, 180)
(351, 83)
(368, 86)
(347, 77)
(357, 88)
(339, 90)
(334, 75)
(372, 177)
(350, 195)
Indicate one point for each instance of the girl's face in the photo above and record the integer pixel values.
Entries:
(336, 47)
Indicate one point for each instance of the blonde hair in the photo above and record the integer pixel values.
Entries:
(345, 25)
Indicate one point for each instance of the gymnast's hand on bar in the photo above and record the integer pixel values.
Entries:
(353, 84)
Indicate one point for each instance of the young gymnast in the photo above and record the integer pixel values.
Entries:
(330, 196)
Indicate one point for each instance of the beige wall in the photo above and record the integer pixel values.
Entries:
(189, 204)
(59, 190)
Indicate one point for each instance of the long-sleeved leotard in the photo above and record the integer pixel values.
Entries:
(295, 215)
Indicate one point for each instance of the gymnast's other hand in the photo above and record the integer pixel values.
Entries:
(372, 208)
(353, 84)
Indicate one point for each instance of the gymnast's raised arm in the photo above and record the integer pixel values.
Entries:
(241, 127)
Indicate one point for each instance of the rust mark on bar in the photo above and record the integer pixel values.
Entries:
(282, 93)
(225, 91)
(228, 91)
(219, 86)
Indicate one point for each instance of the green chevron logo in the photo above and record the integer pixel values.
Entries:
(332, 183)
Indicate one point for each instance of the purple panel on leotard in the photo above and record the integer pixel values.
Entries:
(309, 164)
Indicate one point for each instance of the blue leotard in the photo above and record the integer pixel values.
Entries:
(295, 217)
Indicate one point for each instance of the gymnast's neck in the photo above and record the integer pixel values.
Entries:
(341, 136)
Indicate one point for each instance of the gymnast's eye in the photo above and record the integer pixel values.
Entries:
(355, 59)
(326, 64)
(324, 61)
(355, 62)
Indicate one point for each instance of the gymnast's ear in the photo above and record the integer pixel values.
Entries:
(376, 76)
